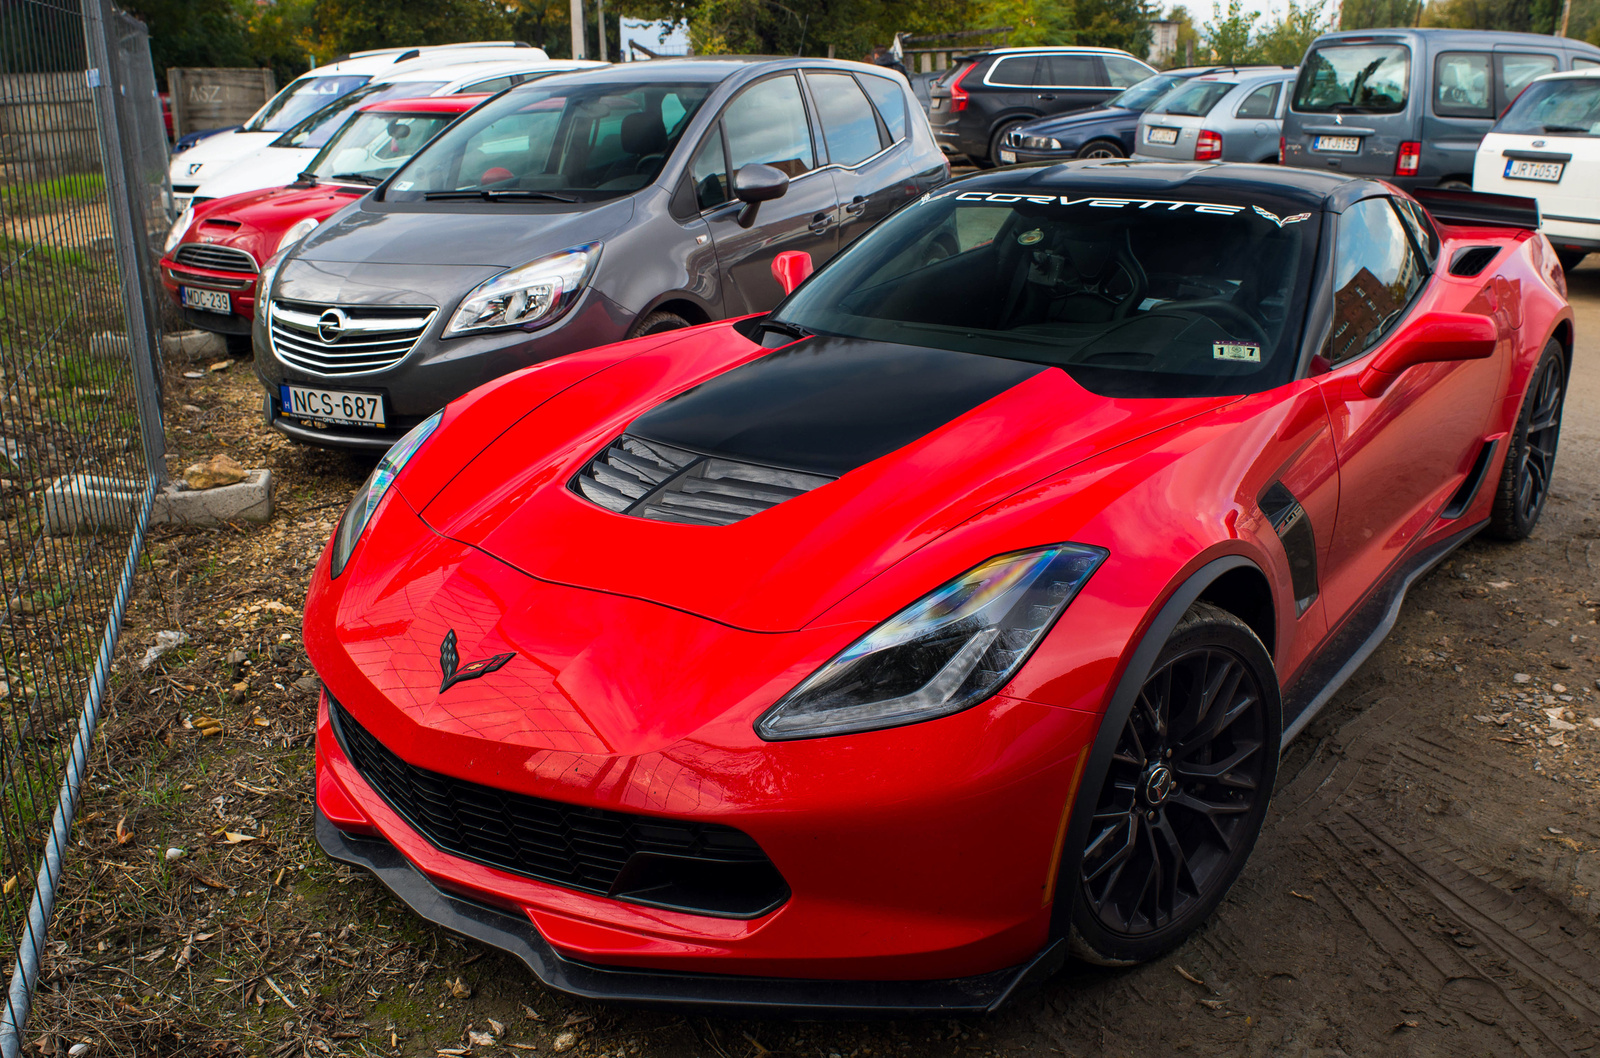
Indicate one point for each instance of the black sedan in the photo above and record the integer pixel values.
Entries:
(1103, 131)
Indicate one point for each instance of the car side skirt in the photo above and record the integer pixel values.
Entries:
(720, 993)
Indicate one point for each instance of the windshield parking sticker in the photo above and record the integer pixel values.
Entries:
(1296, 219)
(1247, 352)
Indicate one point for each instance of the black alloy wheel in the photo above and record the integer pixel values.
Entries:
(1185, 794)
(1525, 480)
(1101, 149)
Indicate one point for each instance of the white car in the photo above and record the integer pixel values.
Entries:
(309, 93)
(1546, 146)
(282, 159)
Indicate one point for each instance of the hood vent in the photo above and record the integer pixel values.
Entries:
(651, 480)
(1472, 260)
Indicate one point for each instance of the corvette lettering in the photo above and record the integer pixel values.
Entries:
(1100, 202)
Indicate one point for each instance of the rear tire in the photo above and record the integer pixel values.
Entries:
(1101, 149)
(656, 323)
(1525, 479)
(1571, 259)
(1185, 795)
(1454, 184)
(995, 141)
(239, 345)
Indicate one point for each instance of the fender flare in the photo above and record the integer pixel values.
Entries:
(1111, 724)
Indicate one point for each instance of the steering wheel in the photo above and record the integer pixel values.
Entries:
(1216, 309)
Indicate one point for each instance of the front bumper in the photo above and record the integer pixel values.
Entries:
(239, 286)
(725, 993)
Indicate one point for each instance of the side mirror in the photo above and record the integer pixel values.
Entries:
(755, 184)
(790, 269)
(1432, 338)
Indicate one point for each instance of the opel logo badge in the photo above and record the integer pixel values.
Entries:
(330, 325)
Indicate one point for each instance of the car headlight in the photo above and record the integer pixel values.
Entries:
(533, 295)
(185, 219)
(269, 272)
(944, 653)
(354, 521)
(297, 231)
(1042, 143)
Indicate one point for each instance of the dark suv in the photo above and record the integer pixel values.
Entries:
(575, 211)
(982, 97)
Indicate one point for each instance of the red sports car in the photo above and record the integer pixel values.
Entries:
(879, 652)
(216, 249)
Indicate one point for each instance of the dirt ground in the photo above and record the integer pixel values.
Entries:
(1426, 885)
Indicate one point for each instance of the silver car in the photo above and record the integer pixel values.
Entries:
(1228, 116)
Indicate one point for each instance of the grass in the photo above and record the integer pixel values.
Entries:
(53, 194)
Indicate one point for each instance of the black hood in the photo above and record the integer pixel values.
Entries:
(1079, 119)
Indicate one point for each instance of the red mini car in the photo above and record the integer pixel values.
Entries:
(879, 652)
(216, 249)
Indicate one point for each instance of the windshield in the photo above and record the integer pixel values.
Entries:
(1147, 91)
(1564, 107)
(1354, 78)
(316, 130)
(1131, 297)
(570, 142)
(373, 145)
(1195, 99)
(302, 98)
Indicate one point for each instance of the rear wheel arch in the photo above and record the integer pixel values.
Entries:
(1234, 576)
(1562, 336)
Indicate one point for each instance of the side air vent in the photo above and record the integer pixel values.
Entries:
(651, 480)
(1472, 260)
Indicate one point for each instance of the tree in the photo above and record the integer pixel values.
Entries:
(1121, 24)
(354, 25)
(1520, 16)
(1285, 41)
(1188, 37)
(194, 33)
(1229, 37)
(1378, 14)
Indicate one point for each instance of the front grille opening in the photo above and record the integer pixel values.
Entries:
(703, 868)
(344, 340)
(216, 258)
(1472, 260)
(651, 480)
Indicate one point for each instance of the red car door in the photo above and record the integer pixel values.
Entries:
(1403, 452)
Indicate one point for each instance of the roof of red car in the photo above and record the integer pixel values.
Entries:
(458, 104)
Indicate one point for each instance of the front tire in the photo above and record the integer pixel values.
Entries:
(1525, 478)
(1186, 793)
(1101, 149)
(656, 323)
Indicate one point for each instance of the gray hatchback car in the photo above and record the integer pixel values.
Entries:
(1411, 105)
(575, 211)
(1229, 116)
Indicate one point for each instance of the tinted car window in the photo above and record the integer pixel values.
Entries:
(318, 129)
(1129, 301)
(373, 145)
(1068, 71)
(492, 85)
(1420, 226)
(1369, 78)
(584, 140)
(710, 172)
(1517, 70)
(891, 104)
(1262, 103)
(1194, 99)
(848, 126)
(1565, 107)
(1461, 87)
(302, 99)
(767, 124)
(1376, 271)
(1145, 92)
(1585, 64)
(1124, 71)
(1016, 71)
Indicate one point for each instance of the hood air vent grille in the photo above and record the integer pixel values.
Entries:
(651, 480)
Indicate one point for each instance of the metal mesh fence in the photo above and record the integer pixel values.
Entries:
(82, 172)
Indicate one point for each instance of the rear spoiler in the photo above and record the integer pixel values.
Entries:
(1478, 208)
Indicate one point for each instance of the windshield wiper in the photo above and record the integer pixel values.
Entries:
(358, 178)
(494, 196)
(789, 330)
(1564, 128)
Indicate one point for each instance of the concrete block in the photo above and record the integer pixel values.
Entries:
(249, 500)
(84, 501)
(195, 345)
(108, 345)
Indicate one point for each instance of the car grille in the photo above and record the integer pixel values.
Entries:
(703, 867)
(217, 258)
(344, 341)
(651, 480)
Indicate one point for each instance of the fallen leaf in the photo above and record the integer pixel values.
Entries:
(496, 1028)
(233, 837)
(480, 1039)
(11, 885)
(1405, 1025)
(459, 988)
(1213, 1004)
(1303, 896)
(124, 833)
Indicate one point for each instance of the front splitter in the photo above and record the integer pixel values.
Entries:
(725, 993)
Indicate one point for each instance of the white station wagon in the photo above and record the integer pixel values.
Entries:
(1546, 146)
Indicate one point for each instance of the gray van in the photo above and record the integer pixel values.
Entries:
(1410, 105)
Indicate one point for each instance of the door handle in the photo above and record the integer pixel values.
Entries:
(819, 222)
(856, 206)
(1047, 95)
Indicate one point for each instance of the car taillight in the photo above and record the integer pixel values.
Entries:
(1409, 160)
(1208, 146)
(958, 95)
(1283, 148)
